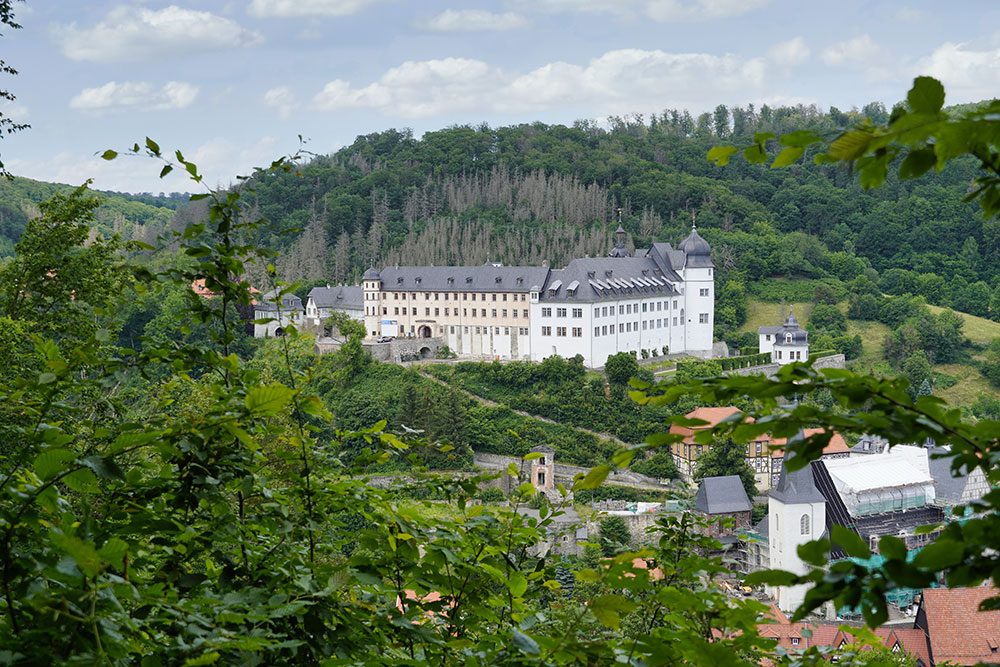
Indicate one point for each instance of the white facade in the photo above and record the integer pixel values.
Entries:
(796, 515)
(787, 343)
(595, 307)
(323, 302)
(281, 312)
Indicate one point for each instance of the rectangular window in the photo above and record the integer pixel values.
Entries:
(465, 329)
(621, 309)
(385, 311)
(437, 311)
(445, 296)
(494, 312)
(427, 312)
(494, 297)
(644, 325)
(560, 312)
(452, 328)
(546, 331)
(479, 330)
(522, 331)
(597, 331)
(395, 311)
(436, 296)
(506, 331)
(524, 313)
(604, 329)
(767, 337)
(675, 321)
(703, 291)
(404, 310)
(675, 304)
(597, 311)
(659, 305)
(644, 307)
(465, 297)
(546, 312)
(628, 309)
(504, 297)
(473, 297)
(427, 296)
(621, 327)
(577, 332)
(513, 312)
(483, 311)
(702, 318)
(578, 312)
(446, 312)
(465, 311)
(561, 331)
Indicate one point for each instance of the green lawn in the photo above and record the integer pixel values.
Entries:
(976, 329)
(762, 314)
(969, 386)
(872, 336)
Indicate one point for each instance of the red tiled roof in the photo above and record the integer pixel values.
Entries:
(711, 415)
(956, 630)
(837, 444)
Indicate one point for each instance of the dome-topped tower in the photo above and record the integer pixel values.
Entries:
(371, 274)
(694, 245)
(620, 250)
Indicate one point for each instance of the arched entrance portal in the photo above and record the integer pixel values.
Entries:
(424, 331)
(425, 353)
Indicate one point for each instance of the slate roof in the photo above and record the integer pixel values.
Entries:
(946, 486)
(699, 254)
(799, 335)
(797, 487)
(956, 630)
(607, 279)
(722, 495)
(484, 278)
(339, 296)
(289, 302)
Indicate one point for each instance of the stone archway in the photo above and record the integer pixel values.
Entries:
(279, 332)
(425, 353)
(424, 331)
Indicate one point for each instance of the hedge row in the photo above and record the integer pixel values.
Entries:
(731, 363)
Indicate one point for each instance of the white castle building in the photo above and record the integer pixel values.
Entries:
(660, 297)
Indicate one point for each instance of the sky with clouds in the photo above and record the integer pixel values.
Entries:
(233, 84)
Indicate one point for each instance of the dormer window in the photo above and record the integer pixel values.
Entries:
(417, 280)
(451, 280)
(788, 338)
(399, 280)
(499, 279)
(468, 279)
(519, 280)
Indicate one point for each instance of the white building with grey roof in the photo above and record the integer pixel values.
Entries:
(787, 343)
(595, 307)
(323, 302)
(599, 306)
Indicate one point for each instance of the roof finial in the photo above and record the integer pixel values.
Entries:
(619, 215)
(694, 227)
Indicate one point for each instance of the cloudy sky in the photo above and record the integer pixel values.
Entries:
(233, 84)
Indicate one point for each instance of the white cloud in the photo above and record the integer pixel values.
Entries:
(135, 96)
(790, 53)
(219, 160)
(968, 75)
(282, 99)
(664, 11)
(689, 11)
(616, 82)
(863, 52)
(134, 33)
(855, 50)
(290, 8)
(472, 20)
